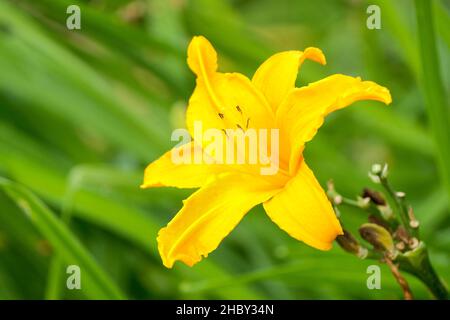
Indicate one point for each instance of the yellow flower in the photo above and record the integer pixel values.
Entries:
(292, 198)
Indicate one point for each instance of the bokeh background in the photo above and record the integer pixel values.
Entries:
(83, 112)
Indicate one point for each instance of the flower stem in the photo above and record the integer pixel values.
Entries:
(386, 236)
(399, 200)
(417, 263)
(400, 279)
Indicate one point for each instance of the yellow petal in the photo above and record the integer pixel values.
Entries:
(302, 210)
(208, 216)
(223, 100)
(228, 101)
(167, 172)
(303, 111)
(202, 58)
(275, 78)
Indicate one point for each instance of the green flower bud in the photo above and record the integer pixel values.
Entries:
(378, 236)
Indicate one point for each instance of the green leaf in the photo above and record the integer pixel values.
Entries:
(96, 283)
(431, 81)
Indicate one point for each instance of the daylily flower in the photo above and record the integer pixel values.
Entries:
(292, 198)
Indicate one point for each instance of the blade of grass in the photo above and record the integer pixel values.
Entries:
(431, 211)
(120, 37)
(442, 21)
(49, 63)
(306, 270)
(404, 134)
(96, 283)
(437, 104)
(78, 177)
(55, 271)
(397, 26)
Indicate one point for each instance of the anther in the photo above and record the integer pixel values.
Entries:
(239, 127)
(238, 109)
(225, 131)
(221, 115)
(248, 121)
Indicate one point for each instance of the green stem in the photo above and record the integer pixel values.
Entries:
(437, 106)
(401, 207)
(417, 263)
(337, 199)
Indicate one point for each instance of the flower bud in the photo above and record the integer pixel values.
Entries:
(375, 179)
(413, 222)
(376, 168)
(385, 211)
(363, 203)
(350, 244)
(378, 236)
(375, 196)
(385, 171)
(378, 172)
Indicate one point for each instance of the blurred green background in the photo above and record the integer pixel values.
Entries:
(83, 112)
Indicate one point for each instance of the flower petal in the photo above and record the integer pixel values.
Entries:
(208, 216)
(202, 58)
(303, 210)
(167, 172)
(303, 111)
(223, 100)
(275, 78)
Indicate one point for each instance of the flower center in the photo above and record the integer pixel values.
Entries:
(238, 120)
